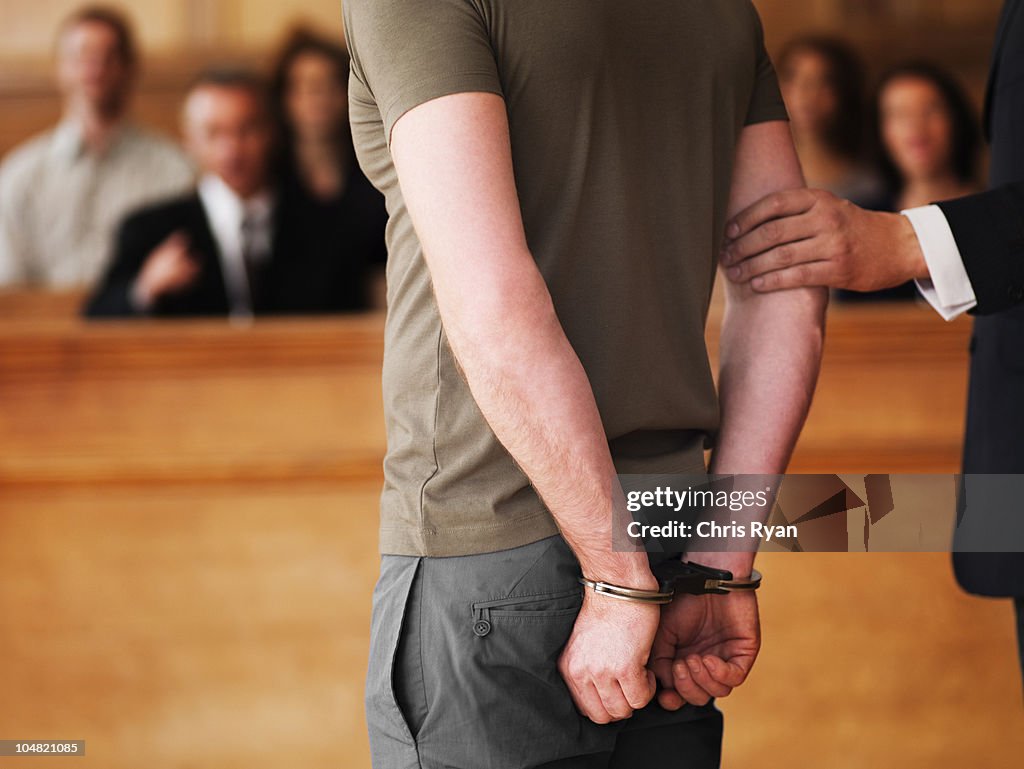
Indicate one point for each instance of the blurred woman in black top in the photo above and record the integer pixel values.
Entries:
(926, 138)
(320, 183)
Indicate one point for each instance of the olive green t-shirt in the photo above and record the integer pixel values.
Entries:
(624, 118)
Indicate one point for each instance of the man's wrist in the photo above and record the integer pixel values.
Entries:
(633, 595)
(630, 570)
(915, 267)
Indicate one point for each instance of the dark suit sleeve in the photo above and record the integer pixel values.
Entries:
(989, 232)
(136, 239)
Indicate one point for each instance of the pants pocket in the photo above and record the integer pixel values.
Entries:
(561, 603)
(493, 626)
(516, 647)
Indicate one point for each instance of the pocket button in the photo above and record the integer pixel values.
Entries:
(481, 627)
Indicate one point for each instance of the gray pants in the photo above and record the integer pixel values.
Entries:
(463, 675)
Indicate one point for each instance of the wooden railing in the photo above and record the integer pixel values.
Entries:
(186, 400)
(300, 398)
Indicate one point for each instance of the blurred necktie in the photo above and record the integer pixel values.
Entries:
(251, 257)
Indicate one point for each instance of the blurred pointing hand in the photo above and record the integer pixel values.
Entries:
(169, 268)
(812, 238)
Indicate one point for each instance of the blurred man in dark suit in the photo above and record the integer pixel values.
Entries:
(966, 255)
(231, 247)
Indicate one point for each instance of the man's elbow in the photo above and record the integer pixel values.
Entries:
(498, 323)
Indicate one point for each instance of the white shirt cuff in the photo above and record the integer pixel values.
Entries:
(949, 289)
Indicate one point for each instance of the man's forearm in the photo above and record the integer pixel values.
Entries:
(534, 393)
(770, 352)
(770, 346)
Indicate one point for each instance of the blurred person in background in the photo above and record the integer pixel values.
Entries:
(63, 192)
(233, 246)
(342, 214)
(927, 139)
(822, 84)
(928, 136)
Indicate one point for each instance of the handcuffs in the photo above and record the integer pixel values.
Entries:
(677, 577)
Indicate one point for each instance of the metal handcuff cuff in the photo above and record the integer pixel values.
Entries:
(679, 578)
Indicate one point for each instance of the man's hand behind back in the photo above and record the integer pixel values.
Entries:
(812, 238)
(705, 647)
(604, 661)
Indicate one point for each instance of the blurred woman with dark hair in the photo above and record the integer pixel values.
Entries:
(927, 136)
(822, 84)
(320, 181)
(926, 139)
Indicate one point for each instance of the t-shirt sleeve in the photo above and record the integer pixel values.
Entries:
(766, 99)
(407, 52)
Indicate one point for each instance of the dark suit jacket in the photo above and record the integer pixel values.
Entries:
(989, 230)
(302, 275)
(989, 227)
(138, 235)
